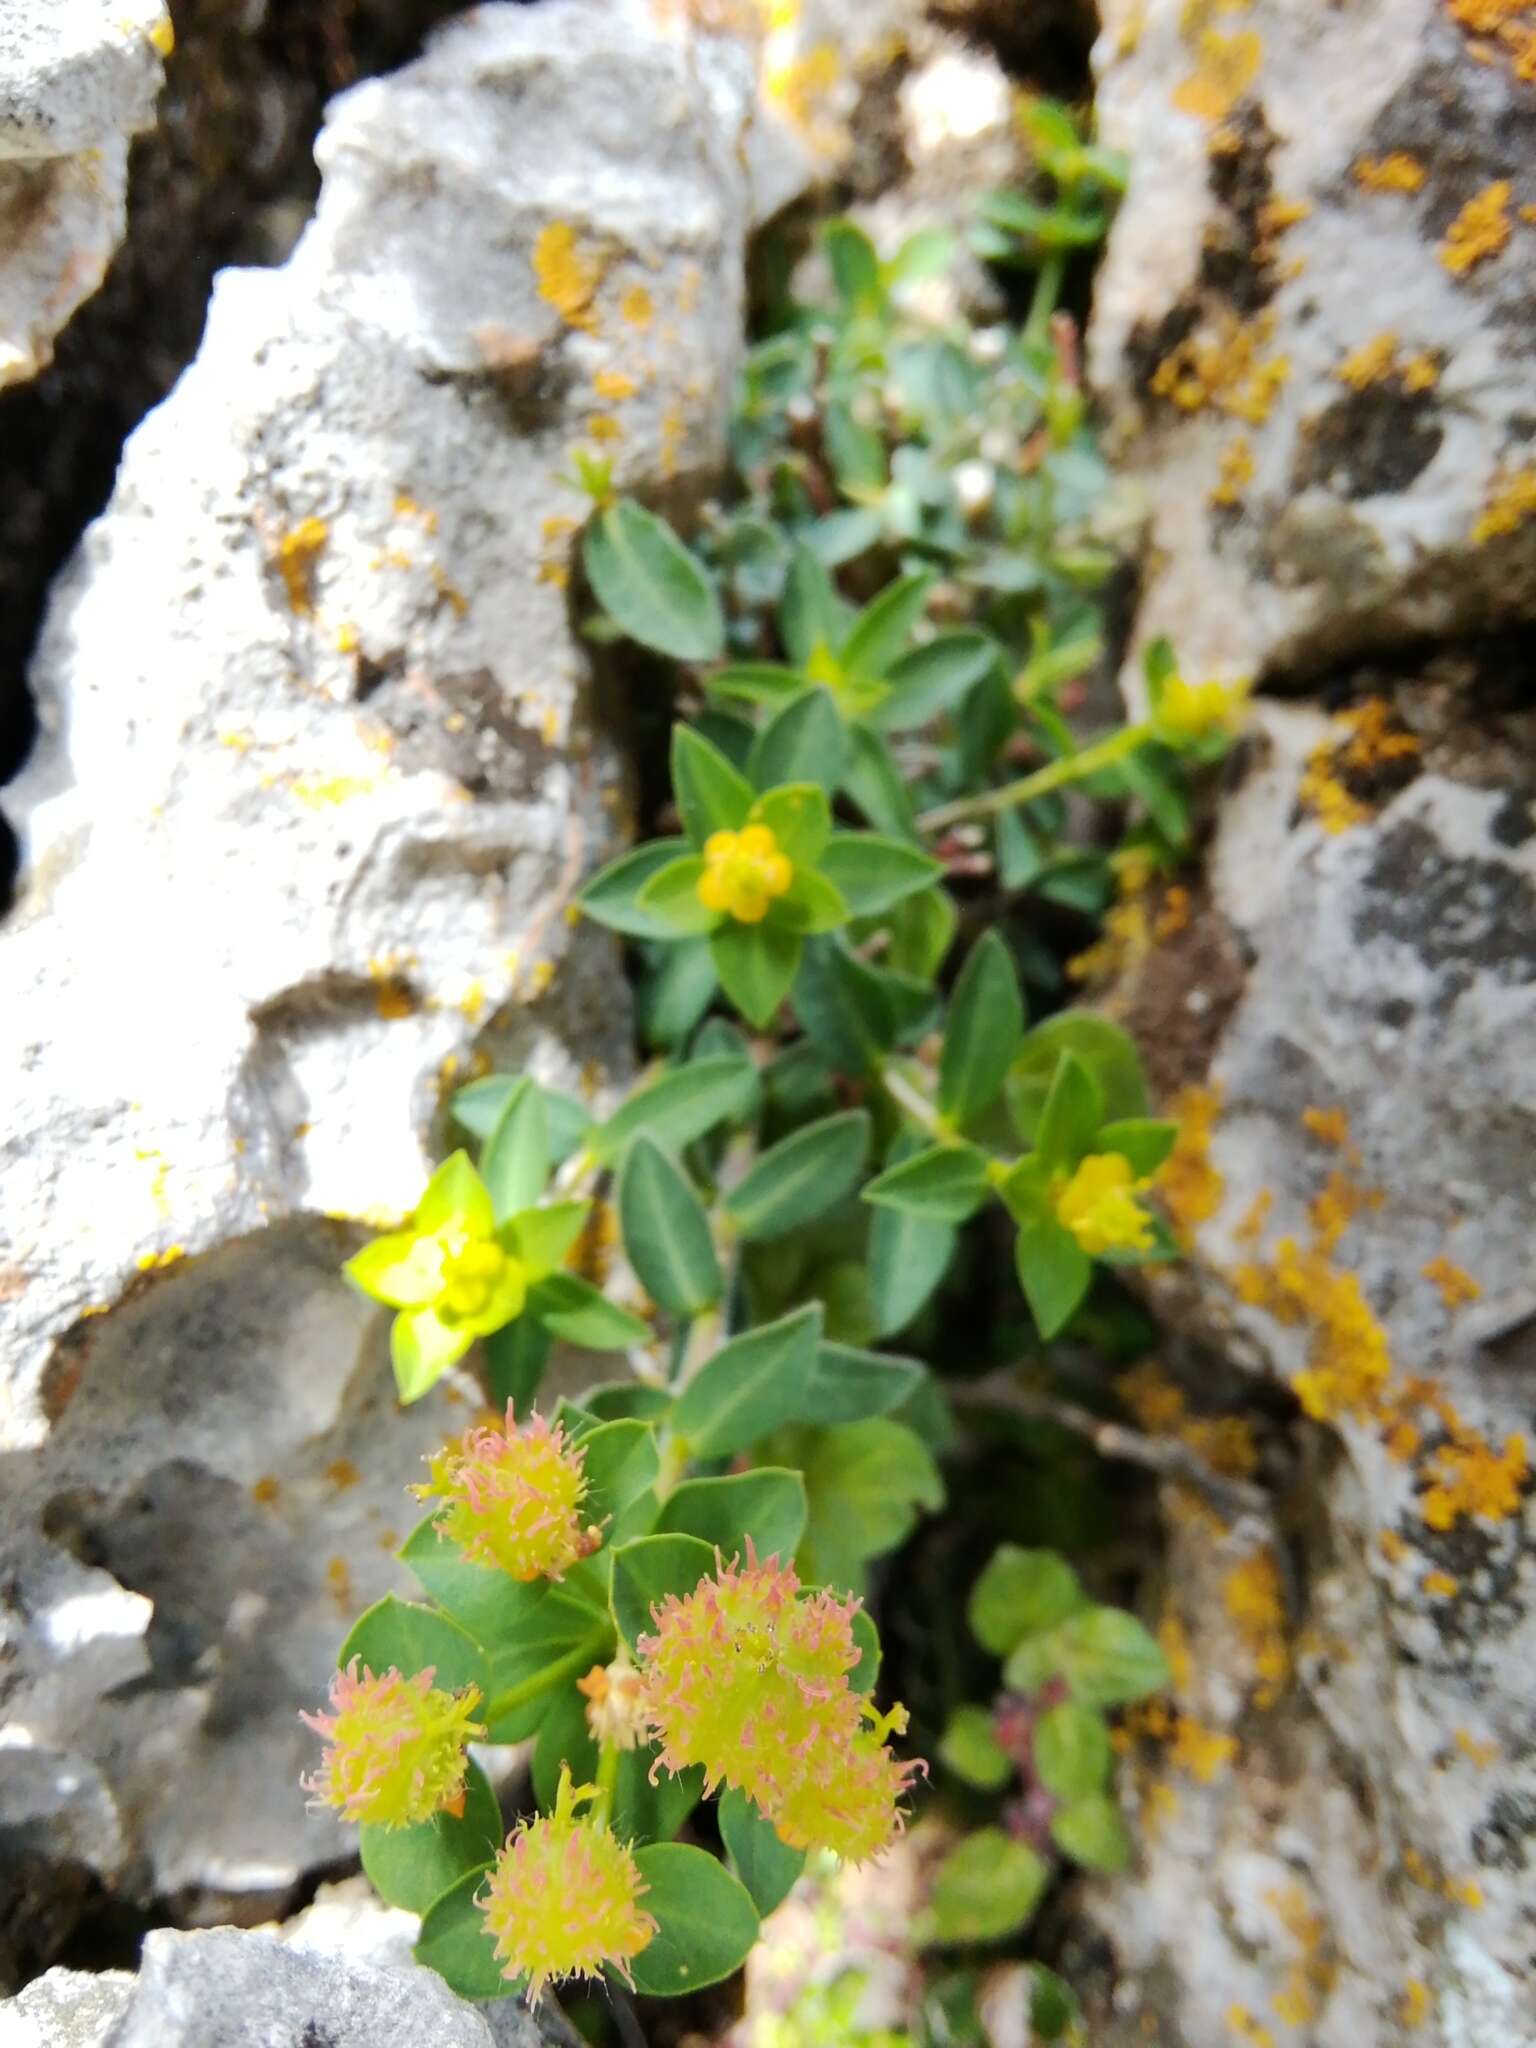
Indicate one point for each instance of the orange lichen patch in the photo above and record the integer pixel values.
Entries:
(1127, 930)
(803, 88)
(266, 1490)
(448, 592)
(1225, 1442)
(1371, 363)
(1421, 372)
(1397, 172)
(406, 507)
(155, 1262)
(1162, 1803)
(1225, 67)
(1278, 215)
(1392, 1546)
(1190, 1186)
(1251, 1228)
(614, 385)
(1255, 1603)
(1480, 231)
(1173, 1641)
(1485, 17)
(1415, 2004)
(1468, 1477)
(162, 36)
(1456, 1287)
(1349, 1364)
(569, 273)
(325, 792)
(1237, 472)
(1440, 1585)
(1328, 1126)
(1402, 1441)
(1247, 2027)
(554, 566)
(1157, 1404)
(1466, 1891)
(1174, 915)
(1510, 502)
(636, 307)
(1481, 1754)
(297, 552)
(674, 430)
(339, 1579)
(342, 1473)
(1331, 1212)
(1369, 741)
(605, 429)
(1310, 1978)
(1200, 1752)
(1224, 370)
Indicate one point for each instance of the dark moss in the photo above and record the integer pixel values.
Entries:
(1370, 442)
(1236, 261)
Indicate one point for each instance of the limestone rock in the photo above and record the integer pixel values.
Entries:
(1305, 327)
(78, 80)
(1358, 1182)
(319, 775)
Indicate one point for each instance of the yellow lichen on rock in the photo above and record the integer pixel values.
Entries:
(1511, 501)
(1480, 231)
(1396, 172)
(1225, 67)
(569, 273)
(1224, 371)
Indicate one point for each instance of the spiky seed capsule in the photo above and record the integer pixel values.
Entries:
(395, 1750)
(563, 1897)
(1098, 1205)
(513, 1498)
(749, 1680)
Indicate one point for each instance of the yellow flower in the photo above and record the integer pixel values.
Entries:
(749, 1680)
(743, 873)
(513, 1499)
(1192, 711)
(1098, 1205)
(563, 1897)
(395, 1752)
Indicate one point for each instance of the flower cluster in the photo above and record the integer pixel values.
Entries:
(615, 1704)
(750, 1680)
(563, 1897)
(512, 1498)
(744, 872)
(1098, 1205)
(1193, 711)
(395, 1747)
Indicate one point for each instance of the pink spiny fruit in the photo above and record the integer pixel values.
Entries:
(395, 1750)
(513, 1498)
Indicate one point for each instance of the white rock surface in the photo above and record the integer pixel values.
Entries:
(319, 775)
(1357, 525)
(1377, 1832)
(225, 1986)
(78, 80)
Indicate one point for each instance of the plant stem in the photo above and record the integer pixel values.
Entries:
(607, 1781)
(1054, 775)
(573, 1662)
(1047, 291)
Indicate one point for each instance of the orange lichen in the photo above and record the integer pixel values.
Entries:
(1370, 741)
(1157, 1404)
(1190, 1186)
(636, 308)
(1441, 1585)
(1328, 1126)
(1392, 1546)
(1371, 363)
(1237, 472)
(297, 552)
(1200, 1752)
(1224, 370)
(266, 1490)
(1468, 1477)
(614, 385)
(1225, 67)
(1309, 1978)
(1248, 2028)
(1174, 915)
(1255, 1603)
(1414, 2007)
(1483, 1755)
(1396, 172)
(1485, 17)
(1480, 231)
(1510, 502)
(568, 273)
(1402, 1440)
(1251, 1228)
(1456, 1287)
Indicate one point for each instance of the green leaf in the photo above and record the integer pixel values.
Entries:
(1109, 1054)
(410, 1867)
(1163, 802)
(666, 1232)
(1093, 1833)
(515, 1360)
(672, 898)
(706, 1922)
(811, 613)
(680, 1106)
(943, 1184)
(810, 905)
(1072, 1753)
(908, 1257)
(478, 1105)
(875, 873)
(756, 682)
(875, 783)
(580, 1313)
(750, 1386)
(799, 817)
(675, 990)
(987, 1888)
(525, 1660)
(1108, 1658)
(848, 1385)
(768, 1505)
(935, 678)
(494, 1608)
(970, 1748)
(620, 1460)
(564, 1741)
(454, 1942)
(866, 1482)
(884, 627)
(1054, 1272)
(801, 1177)
(515, 1164)
(395, 1635)
(854, 264)
(542, 1238)
(756, 964)
(456, 1193)
(846, 1012)
(646, 1571)
(1053, 2007)
(627, 1400)
(711, 796)
(657, 590)
(612, 898)
(421, 1349)
(1021, 1593)
(767, 1866)
(1073, 1111)
(1145, 1141)
(802, 742)
(983, 1031)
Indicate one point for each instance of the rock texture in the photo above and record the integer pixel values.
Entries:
(1306, 329)
(211, 1989)
(319, 773)
(1340, 1847)
(78, 80)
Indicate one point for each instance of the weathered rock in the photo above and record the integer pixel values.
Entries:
(77, 83)
(1305, 327)
(1361, 1221)
(319, 774)
(211, 1989)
